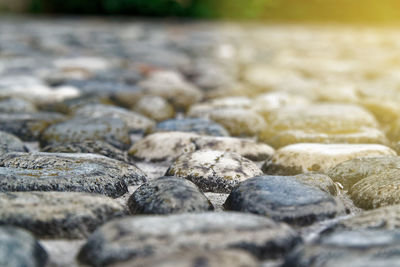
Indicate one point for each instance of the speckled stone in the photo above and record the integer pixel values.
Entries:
(232, 258)
(90, 146)
(57, 214)
(143, 236)
(194, 125)
(11, 143)
(154, 107)
(67, 172)
(358, 248)
(306, 157)
(16, 105)
(28, 126)
(111, 130)
(352, 171)
(20, 248)
(133, 120)
(213, 171)
(283, 198)
(167, 195)
(321, 181)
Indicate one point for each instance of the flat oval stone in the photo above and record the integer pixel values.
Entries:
(19, 248)
(377, 190)
(306, 157)
(133, 120)
(154, 107)
(283, 198)
(57, 214)
(166, 195)
(321, 123)
(319, 180)
(350, 172)
(111, 130)
(194, 125)
(16, 105)
(349, 248)
(28, 126)
(231, 257)
(143, 236)
(67, 172)
(11, 143)
(213, 171)
(92, 147)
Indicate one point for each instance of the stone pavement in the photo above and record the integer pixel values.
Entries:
(180, 143)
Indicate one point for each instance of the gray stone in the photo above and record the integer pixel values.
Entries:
(213, 171)
(231, 258)
(16, 105)
(319, 180)
(154, 107)
(195, 125)
(57, 214)
(10, 143)
(134, 121)
(142, 236)
(19, 248)
(167, 195)
(90, 146)
(111, 130)
(358, 248)
(283, 198)
(67, 172)
(28, 126)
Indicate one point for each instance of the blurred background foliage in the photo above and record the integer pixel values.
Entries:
(308, 10)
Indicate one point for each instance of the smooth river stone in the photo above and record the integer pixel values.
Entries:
(10, 143)
(283, 198)
(16, 105)
(154, 107)
(67, 172)
(58, 214)
(194, 125)
(321, 123)
(148, 236)
(213, 171)
(167, 195)
(20, 248)
(306, 157)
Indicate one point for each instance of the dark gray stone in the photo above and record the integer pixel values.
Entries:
(90, 146)
(57, 214)
(11, 143)
(111, 130)
(67, 172)
(359, 248)
(142, 236)
(199, 126)
(283, 198)
(28, 126)
(19, 248)
(167, 195)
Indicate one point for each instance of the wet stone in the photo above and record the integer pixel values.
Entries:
(111, 130)
(16, 105)
(90, 146)
(306, 157)
(134, 121)
(67, 172)
(213, 171)
(11, 143)
(283, 198)
(194, 125)
(352, 171)
(349, 248)
(149, 236)
(57, 214)
(28, 126)
(19, 248)
(321, 123)
(232, 258)
(167, 195)
(154, 107)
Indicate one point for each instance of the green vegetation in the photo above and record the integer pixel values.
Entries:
(308, 10)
